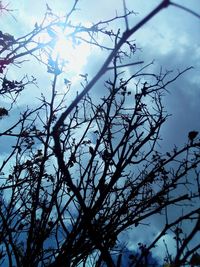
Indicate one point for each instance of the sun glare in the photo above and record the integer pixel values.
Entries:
(74, 55)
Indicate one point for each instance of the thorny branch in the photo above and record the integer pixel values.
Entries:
(81, 175)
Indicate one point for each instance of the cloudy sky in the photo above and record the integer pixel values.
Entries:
(171, 38)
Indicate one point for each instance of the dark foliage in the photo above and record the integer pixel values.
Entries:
(77, 175)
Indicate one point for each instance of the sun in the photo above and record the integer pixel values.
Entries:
(72, 52)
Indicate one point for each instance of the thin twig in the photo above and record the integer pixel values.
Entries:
(126, 65)
(125, 17)
(185, 9)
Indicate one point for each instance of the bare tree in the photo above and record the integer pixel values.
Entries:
(79, 175)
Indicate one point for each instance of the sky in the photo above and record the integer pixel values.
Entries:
(171, 39)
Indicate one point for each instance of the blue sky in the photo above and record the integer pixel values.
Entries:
(172, 39)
